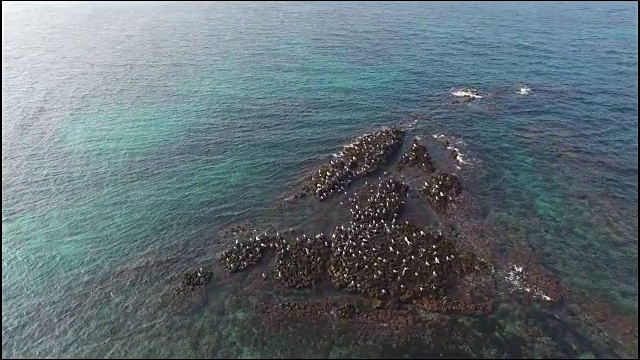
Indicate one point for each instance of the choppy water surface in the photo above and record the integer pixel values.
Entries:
(131, 133)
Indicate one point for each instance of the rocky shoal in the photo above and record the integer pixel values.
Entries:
(384, 269)
(373, 252)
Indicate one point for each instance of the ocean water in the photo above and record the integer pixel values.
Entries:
(132, 132)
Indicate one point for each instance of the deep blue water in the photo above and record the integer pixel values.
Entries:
(132, 131)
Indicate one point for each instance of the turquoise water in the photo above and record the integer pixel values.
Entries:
(132, 132)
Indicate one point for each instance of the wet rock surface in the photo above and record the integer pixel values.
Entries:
(599, 313)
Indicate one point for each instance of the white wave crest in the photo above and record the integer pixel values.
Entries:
(515, 276)
(454, 145)
(524, 91)
(466, 92)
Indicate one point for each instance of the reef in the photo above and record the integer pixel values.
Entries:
(373, 253)
(375, 267)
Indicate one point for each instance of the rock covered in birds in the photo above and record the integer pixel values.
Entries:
(248, 252)
(441, 189)
(417, 155)
(303, 263)
(381, 201)
(401, 261)
(363, 156)
(372, 252)
(195, 279)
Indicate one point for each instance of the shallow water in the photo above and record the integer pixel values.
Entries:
(131, 133)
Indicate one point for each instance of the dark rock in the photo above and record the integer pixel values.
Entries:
(195, 279)
(347, 311)
(377, 304)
